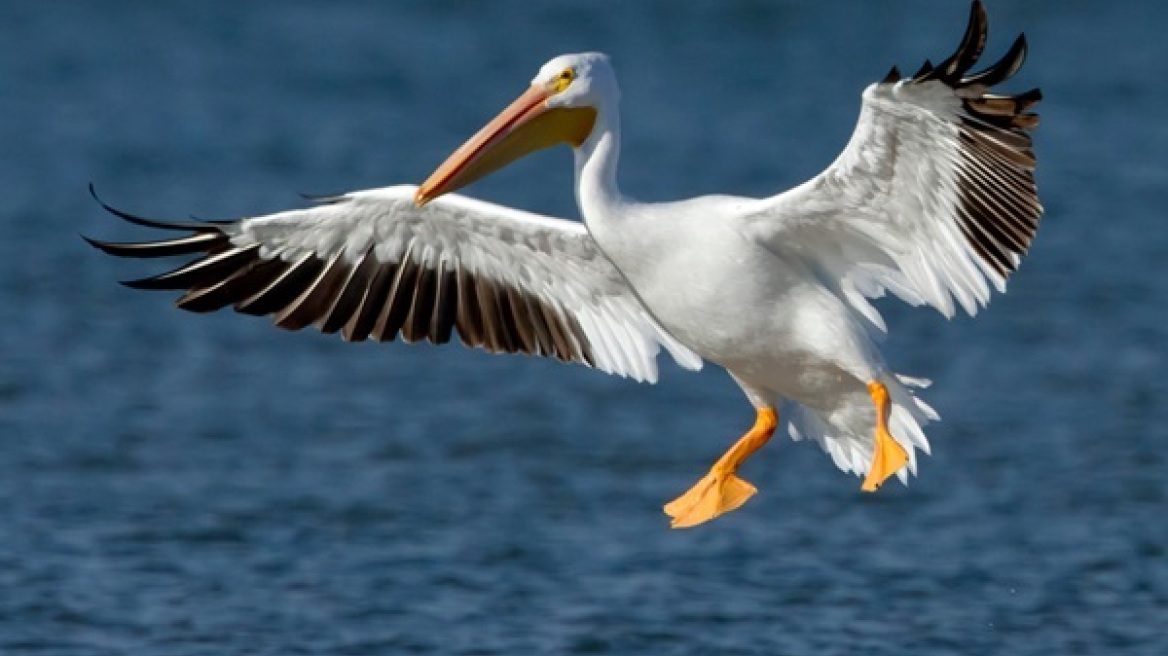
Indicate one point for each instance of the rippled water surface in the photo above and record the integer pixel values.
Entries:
(178, 484)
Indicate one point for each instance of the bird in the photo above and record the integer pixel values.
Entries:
(932, 200)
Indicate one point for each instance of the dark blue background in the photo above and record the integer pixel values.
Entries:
(179, 484)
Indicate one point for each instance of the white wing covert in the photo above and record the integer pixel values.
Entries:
(933, 195)
(372, 264)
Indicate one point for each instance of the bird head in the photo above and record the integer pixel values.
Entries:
(560, 106)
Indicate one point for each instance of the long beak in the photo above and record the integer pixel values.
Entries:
(527, 125)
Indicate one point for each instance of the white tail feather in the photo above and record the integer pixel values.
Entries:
(847, 432)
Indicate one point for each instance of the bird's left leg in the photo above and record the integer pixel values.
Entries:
(721, 490)
(889, 456)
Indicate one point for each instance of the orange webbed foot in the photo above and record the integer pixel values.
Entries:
(716, 494)
(889, 456)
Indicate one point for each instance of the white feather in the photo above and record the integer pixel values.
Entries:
(554, 259)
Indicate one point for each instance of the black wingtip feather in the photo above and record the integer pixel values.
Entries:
(972, 43)
(1031, 97)
(199, 273)
(151, 223)
(102, 246)
(1004, 68)
(201, 242)
(153, 283)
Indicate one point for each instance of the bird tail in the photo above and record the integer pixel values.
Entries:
(846, 431)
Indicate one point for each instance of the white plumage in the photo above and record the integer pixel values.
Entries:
(933, 200)
(553, 260)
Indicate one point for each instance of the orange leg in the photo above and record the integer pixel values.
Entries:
(721, 490)
(890, 457)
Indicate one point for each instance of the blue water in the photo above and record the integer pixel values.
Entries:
(179, 484)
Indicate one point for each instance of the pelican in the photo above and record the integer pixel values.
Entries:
(933, 199)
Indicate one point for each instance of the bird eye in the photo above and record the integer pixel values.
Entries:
(564, 79)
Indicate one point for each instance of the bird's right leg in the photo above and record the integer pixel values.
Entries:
(721, 491)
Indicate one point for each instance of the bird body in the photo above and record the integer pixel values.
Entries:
(761, 314)
(932, 200)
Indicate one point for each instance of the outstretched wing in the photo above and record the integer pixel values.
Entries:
(933, 195)
(372, 264)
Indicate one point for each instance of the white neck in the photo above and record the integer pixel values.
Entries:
(596, 161)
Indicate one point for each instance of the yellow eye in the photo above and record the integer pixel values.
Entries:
(562, 80)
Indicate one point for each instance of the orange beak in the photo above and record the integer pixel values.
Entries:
(527, 125)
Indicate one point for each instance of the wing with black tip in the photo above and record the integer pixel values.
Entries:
(370, 264)
(934, 194)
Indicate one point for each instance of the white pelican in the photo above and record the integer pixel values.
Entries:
(933, 199)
